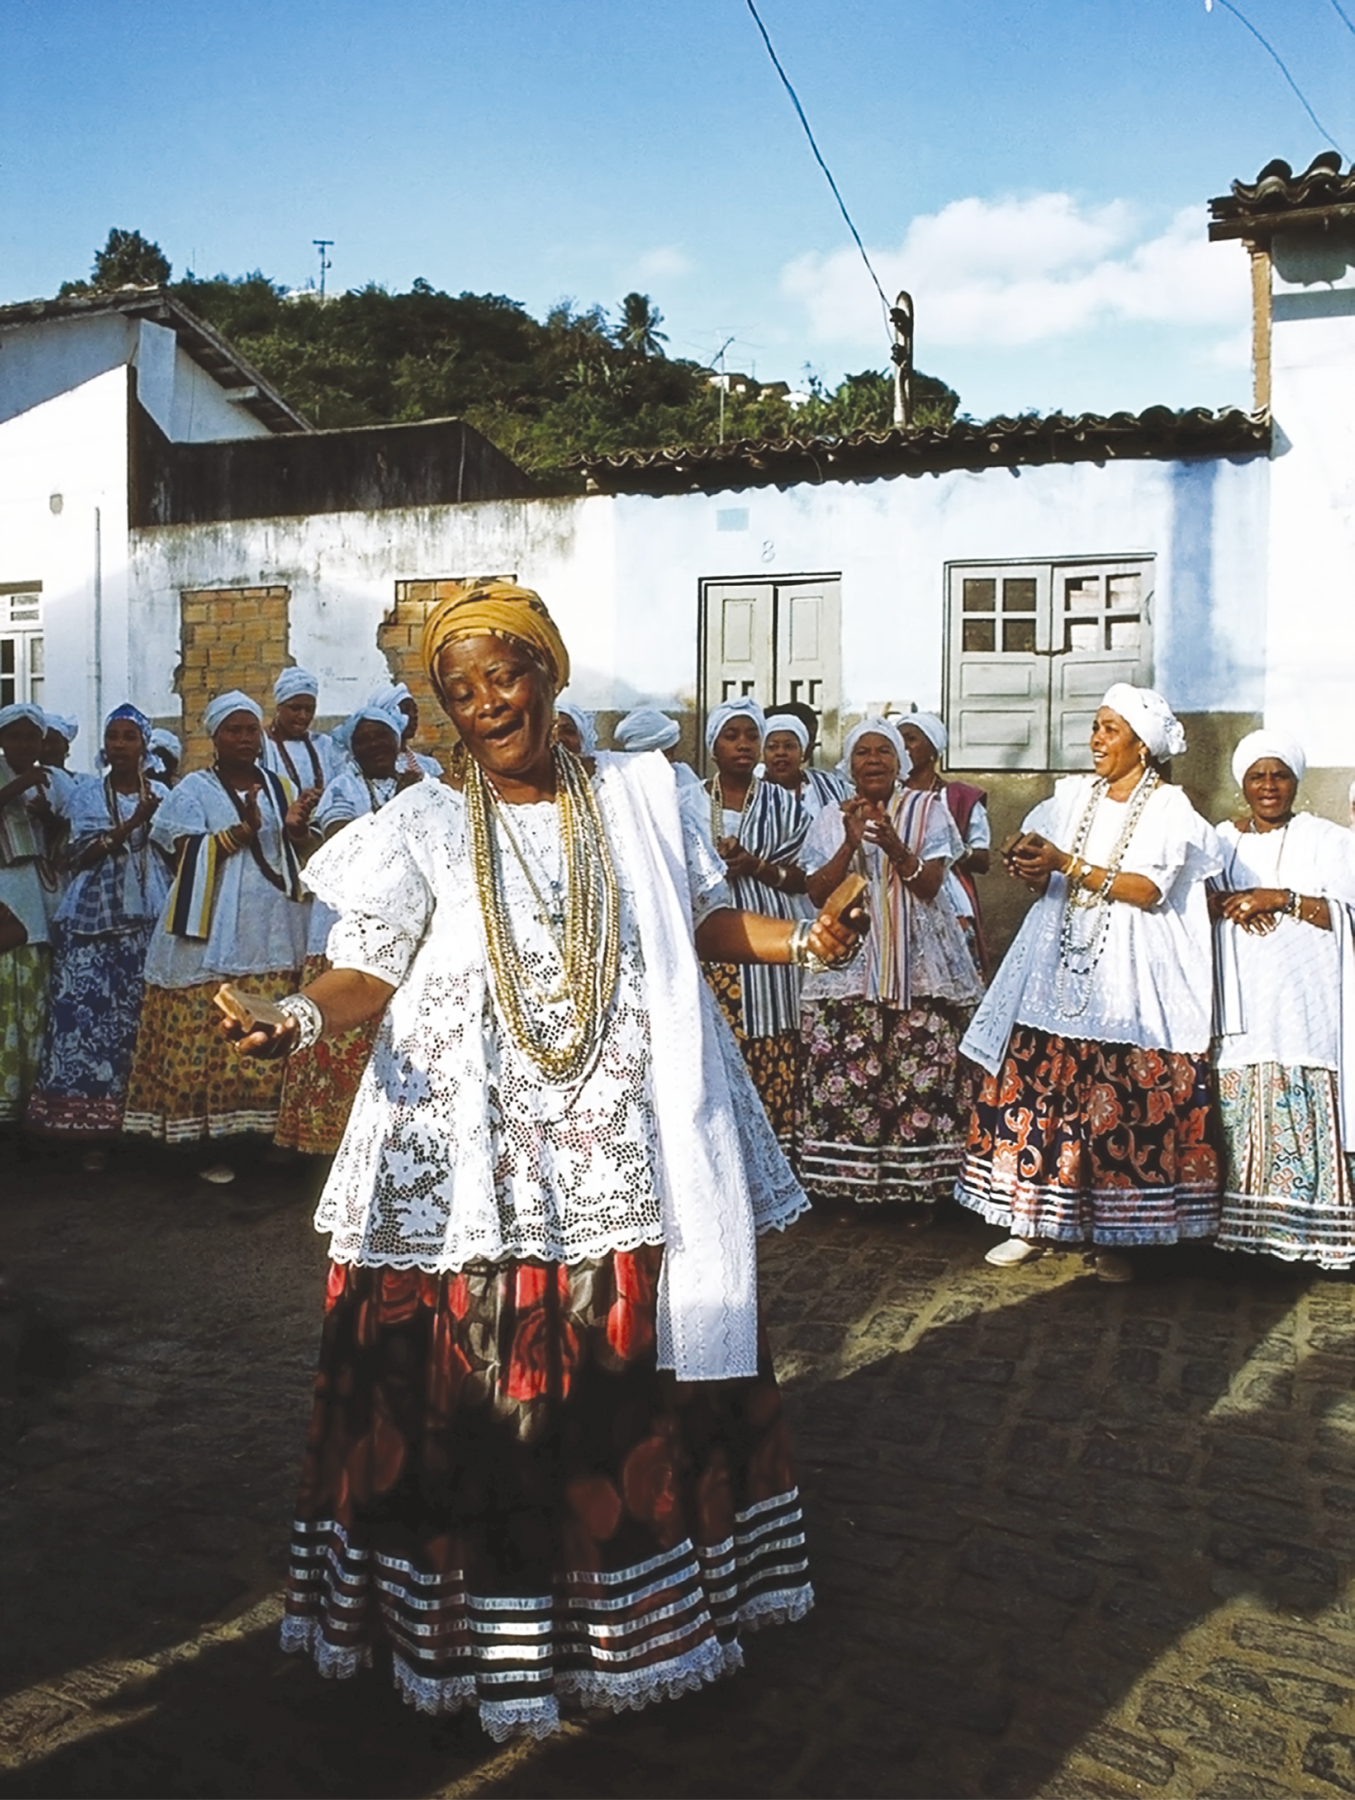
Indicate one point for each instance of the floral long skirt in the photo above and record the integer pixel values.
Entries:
(1287, 1181)
(773, 1061)
(319, 1085)
(23, 1013)
(1078, 1141)
(188, 1083)
(885, 1100)
(502, 1489)
(92, 1018)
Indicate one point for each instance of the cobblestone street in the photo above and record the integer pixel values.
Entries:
(1068, 1540)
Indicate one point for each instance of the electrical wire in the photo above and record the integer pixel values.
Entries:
(1279, 61)
(1343, 15)
(818, 157)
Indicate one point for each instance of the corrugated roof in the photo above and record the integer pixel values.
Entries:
(1159, 433)
(1280, 199)
(206, 346)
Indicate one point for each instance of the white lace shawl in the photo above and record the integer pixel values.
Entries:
(457, 1151)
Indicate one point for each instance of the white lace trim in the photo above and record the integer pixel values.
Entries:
(334, 1662)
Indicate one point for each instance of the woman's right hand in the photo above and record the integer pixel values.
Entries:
(265, 1042)
(251, 819)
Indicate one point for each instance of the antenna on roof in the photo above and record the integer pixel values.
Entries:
(323, 244)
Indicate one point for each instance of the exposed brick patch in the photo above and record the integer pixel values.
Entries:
(229, 638)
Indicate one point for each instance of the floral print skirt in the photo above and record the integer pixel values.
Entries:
(23, 1013)
(93, 1013)
(318, 1089)
(1287, 1181)
(773, 1062)
(885, 1100)
(1078, 1141)
(502, 1489)
(188, 1083)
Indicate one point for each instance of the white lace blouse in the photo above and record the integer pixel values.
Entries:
(457, 1149)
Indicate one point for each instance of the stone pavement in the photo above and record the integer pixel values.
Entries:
(1068, 1540)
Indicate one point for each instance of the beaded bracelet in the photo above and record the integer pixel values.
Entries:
(1294, 904)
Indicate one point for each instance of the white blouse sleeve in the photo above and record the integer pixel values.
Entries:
(1173, 844)
(824, 836)
(182, 814)
(706, 882)
(370, 876)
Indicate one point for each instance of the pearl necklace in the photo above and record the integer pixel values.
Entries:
(1080, 952)
(717, 807)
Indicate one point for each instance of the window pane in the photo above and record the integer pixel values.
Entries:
(6, 656)
(1018, 595)
(37, 659)
(980, 634)
(1081, 593)
(25, 606)
(1082, 634)
(980, 596)
(1123, 591)
(1018, 634)
(1122, 634)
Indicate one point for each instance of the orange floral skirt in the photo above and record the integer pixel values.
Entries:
(317, 1093)
(187, 1082)
(773, 1062)
(502, 1488)
(1079, 1141)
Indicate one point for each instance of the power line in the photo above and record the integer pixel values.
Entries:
(1343, 15)
(1279, 61)
(818, 157)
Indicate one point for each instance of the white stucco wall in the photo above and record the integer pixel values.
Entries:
(41, 360)
(1310, 646)
(63, 522)
(622, 574)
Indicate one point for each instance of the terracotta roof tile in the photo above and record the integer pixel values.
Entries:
(1159, 433)
(1280, 199)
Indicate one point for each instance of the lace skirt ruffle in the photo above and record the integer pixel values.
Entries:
(503, 1490)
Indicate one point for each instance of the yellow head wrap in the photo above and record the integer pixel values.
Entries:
(502, 609)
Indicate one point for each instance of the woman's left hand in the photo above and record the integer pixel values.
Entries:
(740, 863)
(1254, 909)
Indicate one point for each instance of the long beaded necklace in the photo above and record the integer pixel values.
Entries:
(590, 938)
(717, 807)
(139, 850)
(1081, 951)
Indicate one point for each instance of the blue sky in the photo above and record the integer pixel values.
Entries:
(1035, 171)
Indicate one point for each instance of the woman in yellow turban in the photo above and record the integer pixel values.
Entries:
(547, 1462)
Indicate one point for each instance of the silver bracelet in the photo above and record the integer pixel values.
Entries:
(309, 1020)
(800, 953)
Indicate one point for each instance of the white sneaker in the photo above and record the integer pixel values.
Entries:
(219, 1174)
(1110, 1267)
(1013, 1250)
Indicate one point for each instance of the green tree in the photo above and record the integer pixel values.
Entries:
(639, 331)
(126, 260)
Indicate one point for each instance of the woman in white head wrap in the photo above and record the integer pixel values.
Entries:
(758, 829)
(308, 759)
(100, 937)
(28, 893)
(575, 728)
(926, 737)
(785, 753)
(317, 1095)
(166, 753)
(1096, 1123)
(1285, 1050)
(885, 1100)
(394, 696)
(236, 911)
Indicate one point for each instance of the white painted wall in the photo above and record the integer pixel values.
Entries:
(63, 521)
(41, 360)
(622, 574)
(1310, 645)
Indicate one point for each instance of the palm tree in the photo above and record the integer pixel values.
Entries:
(639, 331)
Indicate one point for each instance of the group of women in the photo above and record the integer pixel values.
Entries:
(547, 1462)
(125, 902)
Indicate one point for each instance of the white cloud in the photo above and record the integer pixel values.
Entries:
(666, 262)
(1000, 273)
